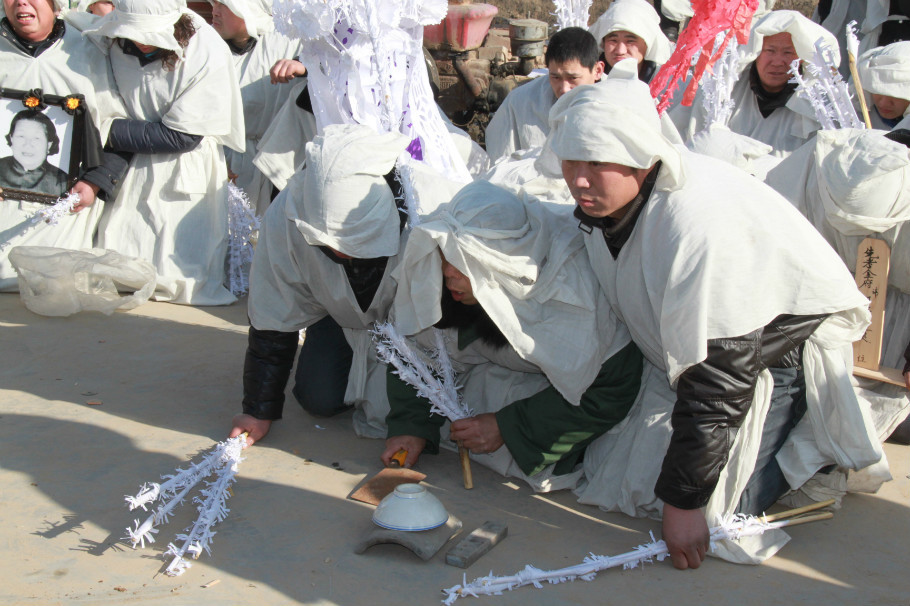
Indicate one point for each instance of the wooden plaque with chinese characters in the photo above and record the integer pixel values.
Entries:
(872, 260)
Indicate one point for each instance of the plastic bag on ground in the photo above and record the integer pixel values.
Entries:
(61, 282)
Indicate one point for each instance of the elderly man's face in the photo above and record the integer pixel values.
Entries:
(567, 75)
(32, 20)
(29, 144)
(773, 63)
(228, 25)
(602, 189)
(624, 45)
(890, 108)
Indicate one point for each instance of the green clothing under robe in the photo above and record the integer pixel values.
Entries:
(539, 430)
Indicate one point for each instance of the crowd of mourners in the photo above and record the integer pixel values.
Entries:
(656, 311)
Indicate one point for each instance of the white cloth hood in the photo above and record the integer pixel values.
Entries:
(143, 22)
(886, 71)
(803, 31)
(863, 180)
(614, 121)
(257, 14)
(345, 202)
(640, 18)
(530, 273)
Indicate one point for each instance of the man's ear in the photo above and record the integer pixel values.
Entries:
(598, 71)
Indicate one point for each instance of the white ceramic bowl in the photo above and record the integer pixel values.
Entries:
(410, 507)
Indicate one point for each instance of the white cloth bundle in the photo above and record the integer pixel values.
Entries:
(639, 18)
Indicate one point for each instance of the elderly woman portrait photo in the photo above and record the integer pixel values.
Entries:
(32, 137)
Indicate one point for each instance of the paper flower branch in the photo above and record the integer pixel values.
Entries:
(222, 461)
(242, 224)
(572, 13)
(430, 374)
(825, 90)
(733, 528)
(717, 87)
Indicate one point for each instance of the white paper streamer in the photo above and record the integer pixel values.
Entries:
(222, 461)
(717, 85)
(572, 13)
(242, 225)
(825, 90)
(50, 214)
(431, 374)
(732, 528)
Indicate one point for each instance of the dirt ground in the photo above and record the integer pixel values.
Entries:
(168, 379)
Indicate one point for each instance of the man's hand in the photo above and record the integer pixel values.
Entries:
(87, 193)
(286, 70)
(412, 444)
(256, 428)
(686, 534)
(478, 434)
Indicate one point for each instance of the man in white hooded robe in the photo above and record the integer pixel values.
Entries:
(885, 75)
(698, 260)
(541, 360)
(766, 107)
(631, 29)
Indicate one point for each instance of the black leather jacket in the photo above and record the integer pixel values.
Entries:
(713, 398)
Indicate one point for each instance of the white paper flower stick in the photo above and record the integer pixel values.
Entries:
(572, 13)
(852, 54)
(825, 90)
(732, 528)
(223, 461)
(242, 224)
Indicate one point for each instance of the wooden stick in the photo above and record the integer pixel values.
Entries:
(794, 512)
(825, 515)
(859, 89)
(464, 455)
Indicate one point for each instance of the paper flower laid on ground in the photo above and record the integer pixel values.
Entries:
(222, 461)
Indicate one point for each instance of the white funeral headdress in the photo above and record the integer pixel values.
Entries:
(257, 14)
(345, 202)
(886, 70)
(640, 18)
(614, 121)
(804, 33)
(143, 22)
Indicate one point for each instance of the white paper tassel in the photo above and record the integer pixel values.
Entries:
(431, 375)
(717, 85)
(52, 214)
(223, 461)
(825, 90)
(852, 40)
(242, 225)
(572, 13)
(732, 528)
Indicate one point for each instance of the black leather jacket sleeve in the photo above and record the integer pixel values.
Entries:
(713, 398)
(109, 174)
(269, 359)
(142, 137)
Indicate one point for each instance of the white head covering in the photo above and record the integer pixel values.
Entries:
(803, 31)
(142, 21)
(528, 270)
(614, 121)
(886, 71)
(863, 180)
(640, 18)
(257, 14)
(345, 202)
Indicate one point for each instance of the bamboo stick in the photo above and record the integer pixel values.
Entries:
(464, 455)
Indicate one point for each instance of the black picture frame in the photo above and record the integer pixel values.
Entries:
(62, 162)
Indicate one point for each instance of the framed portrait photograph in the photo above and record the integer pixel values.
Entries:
(40, 144)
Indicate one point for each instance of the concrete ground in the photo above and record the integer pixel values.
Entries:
(168, 379)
